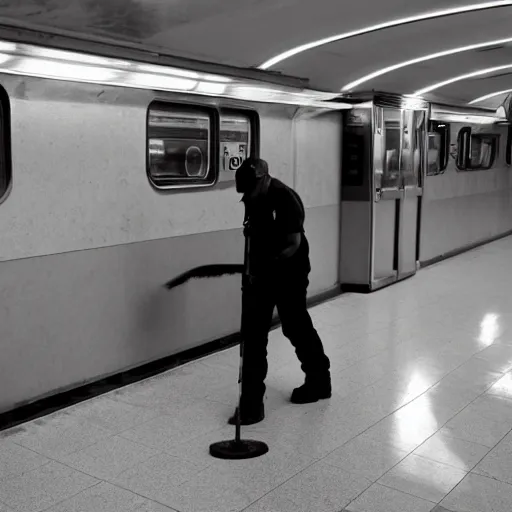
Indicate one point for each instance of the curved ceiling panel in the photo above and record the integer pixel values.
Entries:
(333, 66)
(491, 100)
(248, 32)
(413, 78)
(468, 90)
(447, 11)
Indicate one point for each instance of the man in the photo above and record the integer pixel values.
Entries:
(279, 267)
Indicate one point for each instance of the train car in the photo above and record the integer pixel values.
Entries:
(110, 186)
(468, 184)
(117, 189)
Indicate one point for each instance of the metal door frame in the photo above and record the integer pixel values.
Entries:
(400, 194)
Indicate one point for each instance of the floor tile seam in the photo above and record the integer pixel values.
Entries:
(451, 465)
(67, 454)
(473, 472)
(435, 503)
(456, 486)
(7, 440)
(393, 412)
(109, 479)
(393, 489)
(377, 354)
(455, 437)
(13, 476)
(63, 464)
(143, 496)
(159, 416)
(369, 479)
(121, 485)
(429, 459)
(57, 503)
(316, 461)
(167, 452)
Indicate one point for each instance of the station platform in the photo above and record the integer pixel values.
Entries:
(420, 419)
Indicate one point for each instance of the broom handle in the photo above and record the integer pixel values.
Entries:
(245, 277)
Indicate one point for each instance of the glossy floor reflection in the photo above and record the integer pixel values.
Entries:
(420, 419)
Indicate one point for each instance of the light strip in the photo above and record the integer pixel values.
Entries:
(388, 24)
(459, 78)
(488, 96)
(40, 62)
(460, 118)
(431, 56)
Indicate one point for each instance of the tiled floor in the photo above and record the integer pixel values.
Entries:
(421, 417)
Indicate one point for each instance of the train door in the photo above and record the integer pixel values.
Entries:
(398, 154)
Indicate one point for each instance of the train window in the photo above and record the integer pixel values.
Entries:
(438, 147)
(5, 154)
(181, 145)
(238, 140)
(483, 151)
(463, 145)
(476, 151)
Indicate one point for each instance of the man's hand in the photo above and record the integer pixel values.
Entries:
(292, 244)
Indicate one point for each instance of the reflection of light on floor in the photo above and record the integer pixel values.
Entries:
(489, 329)
(503, 386)
(417, 384)
(416, 421)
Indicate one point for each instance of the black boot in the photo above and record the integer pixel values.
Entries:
(312, 391)
(249, 415)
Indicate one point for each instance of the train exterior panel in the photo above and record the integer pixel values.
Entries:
(464, 205)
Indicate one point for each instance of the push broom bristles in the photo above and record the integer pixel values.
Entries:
(206, 271)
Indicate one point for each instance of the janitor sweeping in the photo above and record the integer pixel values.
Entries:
(279, 267)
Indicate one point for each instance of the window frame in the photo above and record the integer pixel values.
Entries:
(215, 113)
(254, 136)
(5, 138)
(213, 171)
(464, 140)
(444, 145)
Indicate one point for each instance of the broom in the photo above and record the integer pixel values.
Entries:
(235, 448)
(205, 271)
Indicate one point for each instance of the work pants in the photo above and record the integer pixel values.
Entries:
(288, 292)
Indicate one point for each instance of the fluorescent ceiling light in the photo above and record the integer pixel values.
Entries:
(388, 24)
(459, 78)
(460, 118)
(431, 56)
(488, 96)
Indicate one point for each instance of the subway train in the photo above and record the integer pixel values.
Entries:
(108, 190)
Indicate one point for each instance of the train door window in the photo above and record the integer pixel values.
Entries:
(238, 140)
(392, 141)
(5, 155)
(181, 145)
(412, 131)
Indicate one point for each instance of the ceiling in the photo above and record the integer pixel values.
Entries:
(246, 33)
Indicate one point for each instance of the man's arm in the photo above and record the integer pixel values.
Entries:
(292, 243)
(290, 218)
